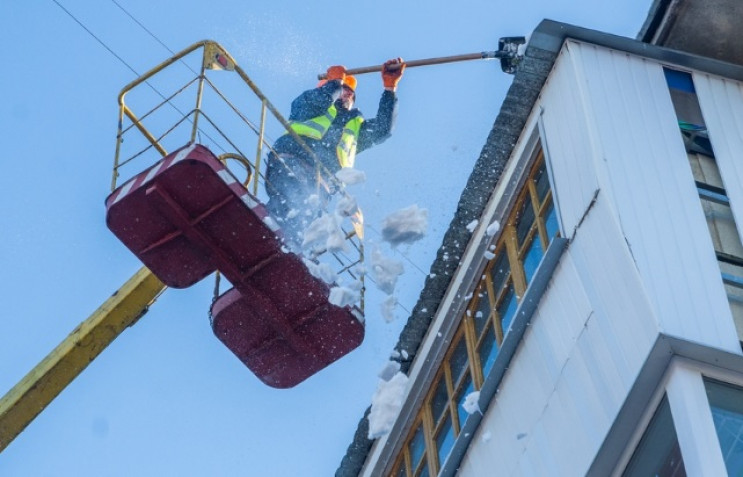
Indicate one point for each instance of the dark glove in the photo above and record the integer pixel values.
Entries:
(337, 72)
(392, 72)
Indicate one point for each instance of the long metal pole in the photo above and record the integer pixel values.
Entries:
(425, 62)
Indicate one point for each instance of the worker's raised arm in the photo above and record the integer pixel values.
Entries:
(316, 101)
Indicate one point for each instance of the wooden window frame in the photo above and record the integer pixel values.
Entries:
(506, 244)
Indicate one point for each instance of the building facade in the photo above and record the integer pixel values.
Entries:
(595, 313)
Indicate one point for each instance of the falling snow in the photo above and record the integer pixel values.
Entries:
(405, 226)
(386, 404)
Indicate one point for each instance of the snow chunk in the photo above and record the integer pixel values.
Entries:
(405, 226)
(350, 176)
(326, 231)
(471, 403)
(492, 228)
(488, 255)
(389, 370)
(487, 436)
(388, 308)
(343, 296)
(472, 225)
(385, 271)
(347, 206)
(314, 202)
(323, 271)
(386, 404)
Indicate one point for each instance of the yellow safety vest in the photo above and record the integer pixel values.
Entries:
(317, 127)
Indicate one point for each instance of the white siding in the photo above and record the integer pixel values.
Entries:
(640, 163)
(575, 365)
(568, 143)
(640, 262)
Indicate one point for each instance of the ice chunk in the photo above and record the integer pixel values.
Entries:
(343, 296)
(326, 231)
(405, 226)
(390, 369)
(385, 271)
(350, 176)
(388, 308)
(386, 404)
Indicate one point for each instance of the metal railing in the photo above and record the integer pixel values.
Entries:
(200, 81)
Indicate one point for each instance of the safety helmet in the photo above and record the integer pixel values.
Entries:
(348, 80)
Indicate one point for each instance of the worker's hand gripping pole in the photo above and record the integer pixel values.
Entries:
(508, 52)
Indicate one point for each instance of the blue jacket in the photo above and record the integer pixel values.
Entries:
(315, 102)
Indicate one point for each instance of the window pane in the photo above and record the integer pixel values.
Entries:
(658, 453)
(439, 399)
(417, 446)
(482, 311)
(507, 309)
(726, 402)
(550, 221)
(445, 440)
(458, 360)
(488, 351)
(541, 180)
(500, 271)
(722, 228)
(525, 219)
(467, 387)
(532, 258)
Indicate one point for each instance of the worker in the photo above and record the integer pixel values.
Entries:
(335, 131)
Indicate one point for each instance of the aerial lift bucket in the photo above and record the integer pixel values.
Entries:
(186, 217)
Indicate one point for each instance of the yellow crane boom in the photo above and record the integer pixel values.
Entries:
(48, 378)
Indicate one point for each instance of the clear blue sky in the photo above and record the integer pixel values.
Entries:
(167, 398)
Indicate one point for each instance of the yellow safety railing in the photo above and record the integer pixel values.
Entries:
(188, 99)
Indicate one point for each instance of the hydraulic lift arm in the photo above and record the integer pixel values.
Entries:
(43, 383)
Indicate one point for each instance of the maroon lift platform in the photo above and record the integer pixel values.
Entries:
(186, 217)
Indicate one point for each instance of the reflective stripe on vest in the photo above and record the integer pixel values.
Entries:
(346, 149)
(316, 127)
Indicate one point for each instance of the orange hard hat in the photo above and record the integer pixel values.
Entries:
(350, 81)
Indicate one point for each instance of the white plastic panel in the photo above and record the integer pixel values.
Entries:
(643, 167)
(575, 365)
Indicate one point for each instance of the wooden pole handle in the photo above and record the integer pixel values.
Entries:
(428, 61)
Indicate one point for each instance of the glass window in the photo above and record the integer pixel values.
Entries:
(500, 271)
(532, 258)
(726, 402)
(658, 453)
(507, 309)
(542, 182)
(417, 446)
(467, 388)
(713, 197)
(525, 220)
(439, 400)
(518, 251)
(458, 361)
(551, 222)
(445, 440)
(482, 311)
(488, 351)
